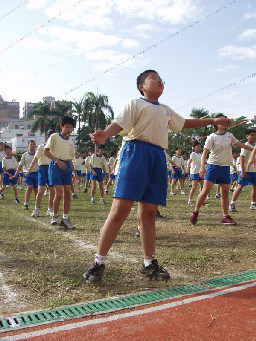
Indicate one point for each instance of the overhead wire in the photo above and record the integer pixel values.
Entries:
(12, 10)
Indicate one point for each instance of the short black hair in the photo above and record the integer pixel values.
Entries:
(196, 143)
(68, 120)
(101, 146)
(218, 115)
(249, 131)
(141, 78)
(31, 141)
(177, 149)
(7, 146)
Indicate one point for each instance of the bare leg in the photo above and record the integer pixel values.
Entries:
(203, 194)
(57, 198)
(66, 198)
(15, 191)
(224, 198)
(237, 192)
(192, 191)
(93, 188)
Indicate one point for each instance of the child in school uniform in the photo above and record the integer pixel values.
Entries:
(9, 164)
(61, 150)
(178, 167)
(97, 164)
(2, 155)
(218, 169)
(142, 175)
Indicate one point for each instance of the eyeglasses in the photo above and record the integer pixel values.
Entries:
(158, 80)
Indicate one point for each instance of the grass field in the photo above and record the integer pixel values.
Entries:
(41, 266)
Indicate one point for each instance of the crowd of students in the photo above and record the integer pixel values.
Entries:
(141, 171)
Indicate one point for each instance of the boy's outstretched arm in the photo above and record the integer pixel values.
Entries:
(101, 136)
(198, 122)
(252, 159)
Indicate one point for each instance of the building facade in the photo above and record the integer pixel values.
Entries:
(9, 111)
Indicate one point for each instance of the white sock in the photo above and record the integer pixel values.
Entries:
(253, 203)
(138, 227)
(147, 262)
(65, 216)
(99, 259)
(232, 202)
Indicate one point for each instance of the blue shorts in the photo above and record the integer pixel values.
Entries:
(234, 176)
(1, 168)
(218, 174)
(169, 173)
(99, 176)
(6, 180)
(249, 180)
(87, 176)
(59, 176)
(78, 172)
(178, 174)
(43, 175)
(83, 174)
(31, 179)
(21, 175)
(142, 173)
(195, 177)
(111, 176)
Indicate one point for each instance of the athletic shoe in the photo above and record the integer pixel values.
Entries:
(232, 207)
(2, 196)
(205, 203)
(208, 197)
(35, 213)
(49, 211)
(172, 193)
(17, 201)
(231, 190)
(154, 270)
(85, 190)
(106, 191)
(183, 192)
(92, 201)
(227, 220)
(158, 214)
(102, 201)
(55, 219)
(67, 224)
(74, 196)
(193, 218)
(137, 234)
(25, 207)
(190, 203)
(95, 273)
(218, 196)
(253, 207)
(46, 192)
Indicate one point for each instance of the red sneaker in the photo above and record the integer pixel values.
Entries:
(227, 220)
(206, 203)
(193, 218)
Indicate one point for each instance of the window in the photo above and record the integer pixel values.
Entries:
(16, 126)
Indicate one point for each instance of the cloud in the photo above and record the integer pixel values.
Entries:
(129, 43)
(224, 69)
(36, 4)
(238, 52)
(250, 15)
(248, 34)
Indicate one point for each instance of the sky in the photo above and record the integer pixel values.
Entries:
(204, 50)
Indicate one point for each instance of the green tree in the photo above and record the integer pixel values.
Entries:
(42, 114)
(78, 109)
(60, 109)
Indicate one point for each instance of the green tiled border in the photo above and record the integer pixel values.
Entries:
(30, 319)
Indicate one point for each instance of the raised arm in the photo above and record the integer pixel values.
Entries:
(101, 136)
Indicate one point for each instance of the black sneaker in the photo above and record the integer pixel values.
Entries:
(95, 273)
(158, 214)
(67, 224)
(17, 201)
(25, 207)
(137, 234)
(2, 196)
(85, 190)
(154, 270)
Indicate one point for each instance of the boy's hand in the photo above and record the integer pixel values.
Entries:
(243, 175)
(202, 172)
(98, 137)
(223, 121)
(61, 164)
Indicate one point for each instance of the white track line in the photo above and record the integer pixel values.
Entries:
(70, 326)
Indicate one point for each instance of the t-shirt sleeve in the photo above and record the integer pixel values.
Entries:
(208, 143)
(176, 122)
(126, 118)
(234, 140)
(39, 152)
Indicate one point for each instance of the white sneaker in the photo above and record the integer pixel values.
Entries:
(67, 224)
(253, 207)
(45, 192)
(208, 197)
(35, 213)
(92, 201)
(102, 201)
(172, 193)
(55, 219)
(183, 192)
(49, 212)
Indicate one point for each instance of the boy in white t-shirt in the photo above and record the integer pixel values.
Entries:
(111, 165)
(218, 168)
(234, 173)
(178, 171)
(2, 155)
(246, 177)
(142, 175)
(97, 164)
(9, 164)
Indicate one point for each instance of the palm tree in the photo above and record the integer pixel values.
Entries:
(42, 115)
(78, 110)
(60, 109)
(94, 111)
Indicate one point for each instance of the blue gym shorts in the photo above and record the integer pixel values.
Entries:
(21, 175)
(99, 176)
(1, 168)
(31, 179)
(87, 176)
(78, 172)
(218, 174)
(142, 173)
(234, 176)
(6, 180)
(59, 176)
(178, 174)
(111, 176)
(195, 177)
(249, 180)
(43, 175)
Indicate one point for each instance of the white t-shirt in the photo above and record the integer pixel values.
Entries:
(111, 163)
(2, 155)
(143, 120)
(97, 161)
(10, 163)
(42, 159)
(220, 146)
(62, 148)
(247, 153)
(178, 161)
(196, 162)
(87, 162)
(77, 162)
(233, 169)
(26, 161)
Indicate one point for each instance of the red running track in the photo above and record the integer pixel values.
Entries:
(219, 315)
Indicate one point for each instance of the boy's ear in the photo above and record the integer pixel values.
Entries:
(141, 87)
